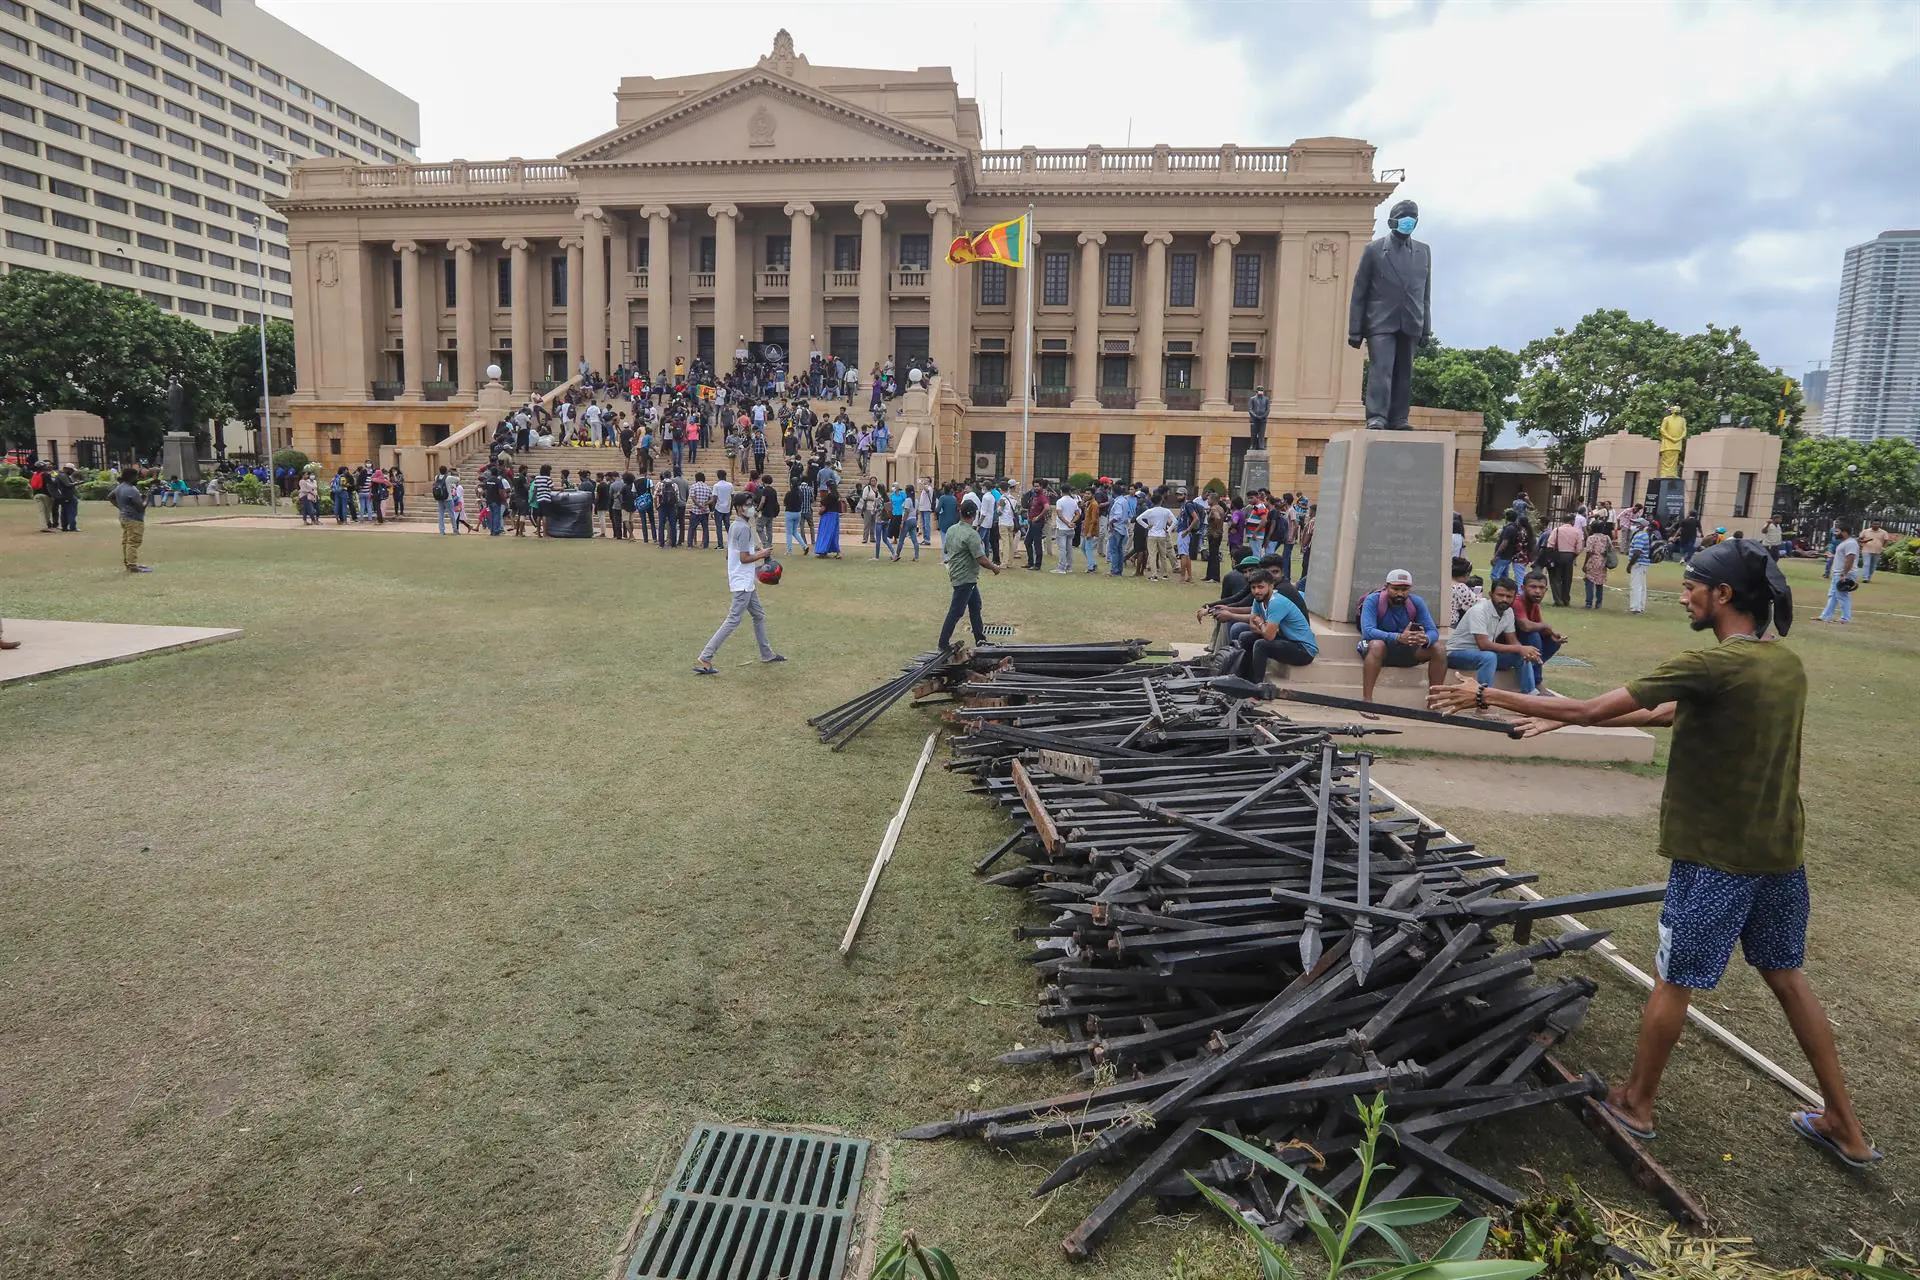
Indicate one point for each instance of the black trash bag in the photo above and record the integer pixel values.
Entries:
(569, 514)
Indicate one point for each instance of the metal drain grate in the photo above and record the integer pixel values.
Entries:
(749, 1204)
(999, 630)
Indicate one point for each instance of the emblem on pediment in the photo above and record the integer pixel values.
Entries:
(760, 127)
(327, 269)
(1323, 264)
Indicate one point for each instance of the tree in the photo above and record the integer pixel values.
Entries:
(68, 343)
(240, 363)
(1474, 380)
(1847, 476)
(1614, 373)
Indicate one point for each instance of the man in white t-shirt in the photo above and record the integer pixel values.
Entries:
(1485, 639)
(742, 556)
(1158, 522)
(1846, 575)
(722, 499)
(1066, 517)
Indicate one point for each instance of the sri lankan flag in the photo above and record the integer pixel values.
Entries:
(1006, 244)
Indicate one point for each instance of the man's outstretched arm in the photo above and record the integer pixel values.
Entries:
(1614, 710)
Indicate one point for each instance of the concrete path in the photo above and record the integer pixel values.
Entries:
(51, 648)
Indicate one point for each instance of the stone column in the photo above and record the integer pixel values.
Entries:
(726, 285)
(1086, 323)
(619, 252)
(592, 298)
(523, 340)
(802, 285)
(940, 296)
(576, 247)
(873, 285)
(659, 276)
(465, 313)
(413, 358)
(1213, 351)
(1153, 324)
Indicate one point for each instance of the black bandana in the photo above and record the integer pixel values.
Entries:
(1746, 567)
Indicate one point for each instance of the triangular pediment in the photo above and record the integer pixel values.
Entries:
(756, 118)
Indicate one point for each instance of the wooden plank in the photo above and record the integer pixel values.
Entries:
(1042, 820)
(881, 859)
(1633, 1157)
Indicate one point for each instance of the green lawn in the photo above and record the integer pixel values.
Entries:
(409, 934)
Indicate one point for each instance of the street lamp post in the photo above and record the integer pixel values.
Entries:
(266, 407)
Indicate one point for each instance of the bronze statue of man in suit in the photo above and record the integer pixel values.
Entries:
(1392, 313)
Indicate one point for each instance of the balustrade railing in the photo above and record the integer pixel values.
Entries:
(1136, 160)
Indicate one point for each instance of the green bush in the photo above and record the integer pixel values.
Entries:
(326, 502)
(1215, 487)
(290, 458)
(1080, 480)
(15, 486)
(1489, 531)
(1902, 556)
(96, 490)
(249, 489)
(8, 470)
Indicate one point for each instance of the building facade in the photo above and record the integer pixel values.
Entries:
(810, 208)
(1873, 383)
(141, 140)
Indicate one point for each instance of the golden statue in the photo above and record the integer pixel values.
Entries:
(1673, 437)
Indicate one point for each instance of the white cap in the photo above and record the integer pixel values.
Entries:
(1399, 578)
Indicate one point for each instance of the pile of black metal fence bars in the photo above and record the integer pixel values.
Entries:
(1242, 937)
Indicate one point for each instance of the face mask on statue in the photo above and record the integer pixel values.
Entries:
(1405, 226)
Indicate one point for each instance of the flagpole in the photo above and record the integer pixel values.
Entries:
(1026, 392)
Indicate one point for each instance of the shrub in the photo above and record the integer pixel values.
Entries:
(1490, 531)
(1556, 1230)
(291, 458)
(1080, 480)
(1902, 556)
(249, 489)
(1217, 487)
(15, 486)
(96, 490)
(8, 470)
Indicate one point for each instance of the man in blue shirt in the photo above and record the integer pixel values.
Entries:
(1276, 630)
(1119, 530)
(1396, 630)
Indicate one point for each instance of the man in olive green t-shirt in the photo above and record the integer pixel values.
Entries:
(1731, 822)
(965, 555)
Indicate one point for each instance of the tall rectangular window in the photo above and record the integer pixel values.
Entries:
(503, 282)
(1055, 285)
(993, 284)
(1051, 450)
(846, 253)
(450, 282)
(1699, 490)
(1629, 489)
(1116, 457)
(779, 253)
(1742, 494)
(394, 272)
(1182, 270)
(642, 253)
(916, 252)
(1181, 462)
(1246, 279)
(709, 254)
(1120, 279)
(559, 267)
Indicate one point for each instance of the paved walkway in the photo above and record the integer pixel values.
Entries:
(50, 648)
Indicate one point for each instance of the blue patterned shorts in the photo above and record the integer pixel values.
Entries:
(1706, 911)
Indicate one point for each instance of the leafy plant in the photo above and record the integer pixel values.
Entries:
(1216, 487)
(15, 487)
(1338, 1229)
(291, 458)
(1080, 480)
(909, 1258)
(1556, 1230)
(1872, 1269)
(249, 489)
(1489, 531)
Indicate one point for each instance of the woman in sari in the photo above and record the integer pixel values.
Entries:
(827, 541)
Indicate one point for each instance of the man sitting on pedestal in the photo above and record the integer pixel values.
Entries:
(1271, 628)
(1397, 630)
(1487, 641)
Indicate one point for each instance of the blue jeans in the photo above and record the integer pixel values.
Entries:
(1596, 592)
(1544, 647)
(1839, 603)
(1501, 569)
(1286, 561)
(926, 527)
(496, 519)
(1087, 545)
(445, 514)
(1869, 561)
(1116, 551)
(1483, 663)
(697, 522)
(793, 531)
(966, 600)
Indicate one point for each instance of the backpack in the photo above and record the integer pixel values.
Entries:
(440, 489)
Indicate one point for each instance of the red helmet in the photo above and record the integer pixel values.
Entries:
(770, 572)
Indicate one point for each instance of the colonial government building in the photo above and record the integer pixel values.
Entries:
(810, 208)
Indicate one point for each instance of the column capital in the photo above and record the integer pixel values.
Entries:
(799, 209)
(573, 242)
(664, 212)
(460, 246)
(723, 211)
(937, 207)
(1092, 237)
(591, 211)
(1156, 237)
(865, 207)
(1224, 237)
(515, 244)
(405, 246)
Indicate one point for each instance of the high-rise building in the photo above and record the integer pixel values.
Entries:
(141, 139)
(1873, 389)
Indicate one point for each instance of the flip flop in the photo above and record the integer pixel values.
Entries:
(778, 657)
(706, 671)
(1645, 1135)
(1802, 1122)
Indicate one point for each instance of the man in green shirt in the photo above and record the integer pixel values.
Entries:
(965, 555)
(1731, 822)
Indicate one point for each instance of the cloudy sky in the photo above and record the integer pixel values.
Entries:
(1690, 162)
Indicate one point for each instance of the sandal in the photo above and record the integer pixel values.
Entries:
(706, 671)
(1802, 1122)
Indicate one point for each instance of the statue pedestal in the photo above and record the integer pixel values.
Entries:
(1256, 471)
(180, 456)
(1666, 500)
(1386, 502)
(494, 401)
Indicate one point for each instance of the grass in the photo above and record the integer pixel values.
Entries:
(409, 935)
